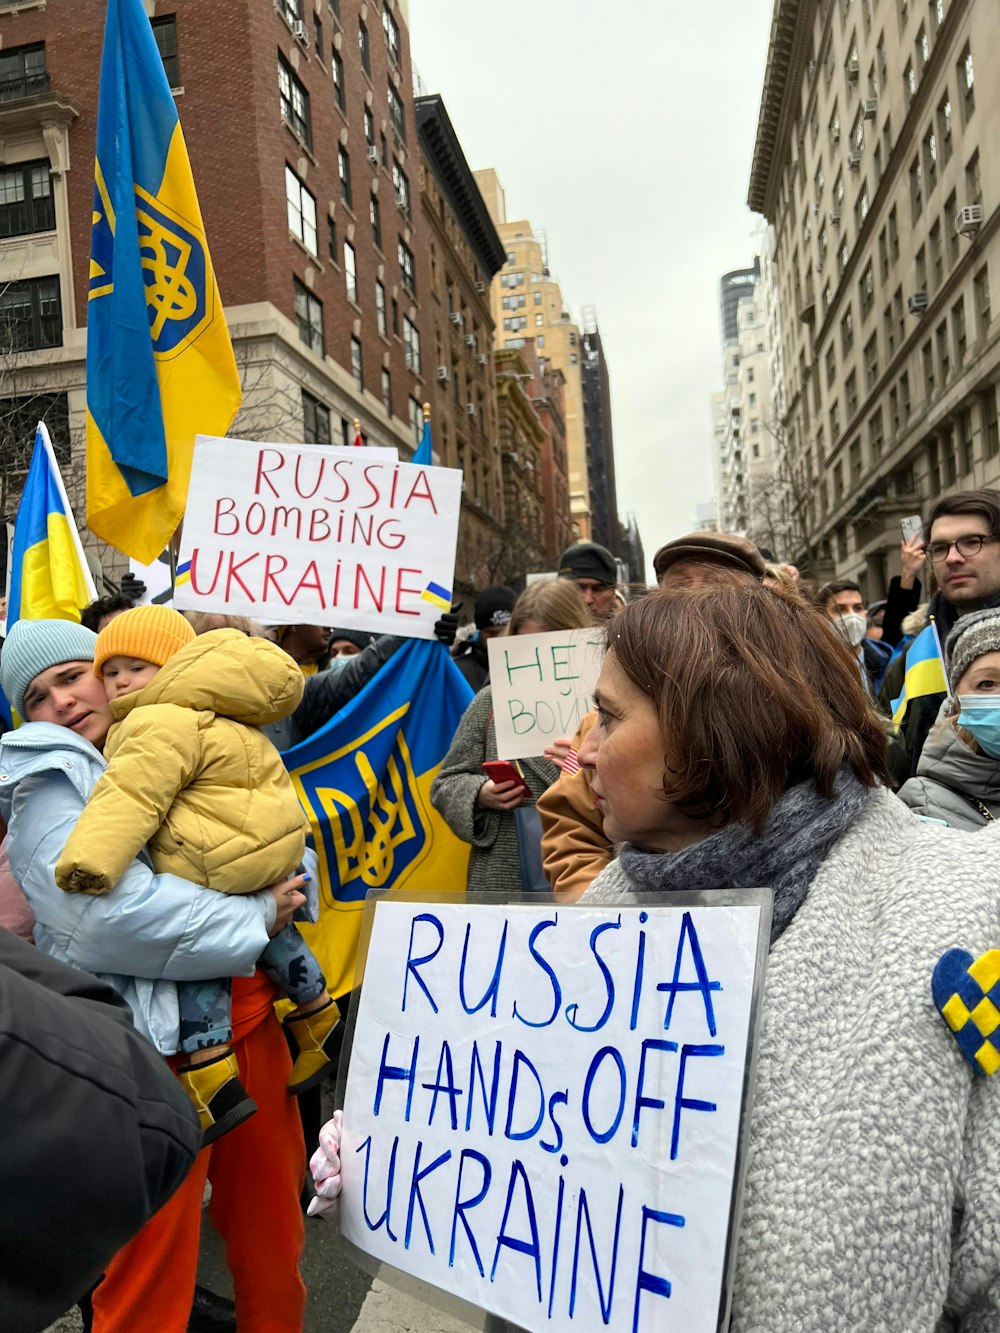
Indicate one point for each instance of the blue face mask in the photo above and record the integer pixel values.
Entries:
(338, 663)
(980, 715)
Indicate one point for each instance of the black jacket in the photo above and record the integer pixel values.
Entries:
(96, 1133)
(900, 602)
(473, 660)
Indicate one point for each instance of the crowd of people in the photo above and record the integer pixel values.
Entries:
(743, 735)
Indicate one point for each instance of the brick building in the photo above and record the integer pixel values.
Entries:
(522, 439)
(455, 267)
(547, 390)
(301, 131)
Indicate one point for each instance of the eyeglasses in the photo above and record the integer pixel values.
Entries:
(939, 551)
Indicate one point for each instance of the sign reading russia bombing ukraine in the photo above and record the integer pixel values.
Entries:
(294, 534)
(545, 1105)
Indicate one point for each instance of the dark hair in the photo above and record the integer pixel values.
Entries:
(829, 590)
(92, 615)
(985, 503)
(755, 693)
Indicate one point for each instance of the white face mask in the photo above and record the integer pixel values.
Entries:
(853, 627)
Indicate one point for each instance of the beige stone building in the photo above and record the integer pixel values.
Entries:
(876, 166)
(528, 303)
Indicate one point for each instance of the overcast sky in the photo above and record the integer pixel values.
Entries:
(629, 143)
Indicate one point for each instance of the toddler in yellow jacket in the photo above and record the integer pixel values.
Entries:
(192, 778)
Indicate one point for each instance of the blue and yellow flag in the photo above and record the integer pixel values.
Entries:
(424, 457)
(160, 365)
(364, 781)
(49, 576)
(924, 672)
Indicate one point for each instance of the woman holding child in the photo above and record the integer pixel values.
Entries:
(150, 931)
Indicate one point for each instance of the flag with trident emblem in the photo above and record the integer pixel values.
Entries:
(160, 365)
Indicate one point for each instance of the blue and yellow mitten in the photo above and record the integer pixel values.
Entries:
(967, 994)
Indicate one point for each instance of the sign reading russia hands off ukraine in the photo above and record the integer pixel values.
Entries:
(297, 533)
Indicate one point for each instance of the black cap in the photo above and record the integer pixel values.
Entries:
(494, 607)
(361, 638)
(588, 560)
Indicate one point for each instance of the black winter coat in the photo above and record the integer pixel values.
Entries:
(96, 1133)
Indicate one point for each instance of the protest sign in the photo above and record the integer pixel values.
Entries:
(543, 684)
(297, 533)
(545, 1105)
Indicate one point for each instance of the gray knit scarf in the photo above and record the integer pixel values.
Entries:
(800, 830)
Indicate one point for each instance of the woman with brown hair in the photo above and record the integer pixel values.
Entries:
(736, 748)
(477, 809)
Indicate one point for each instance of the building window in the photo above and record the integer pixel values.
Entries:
(364, 50)
(966, 440)
(966, 84)
(831, 366)
(315, 420)
(375, 214)
(411, 345)
(406, 267)
(900, 313)
(370, 134)
(930, 148)
(396, 111)
(290, 10)
(842, 256)
(537, 297)
(862, 206)
(988, 413)
(950, 219)
(540, 341)
(984, 314)
(920, 269)
(391, 33)
(876, 437)
(883, 255)
(973, 181)
(539, 319)
(294, 102)
(923, 49)
(927, 359)
(909, 84)
(31, 314)
(357, 366)
(944, 129)
(26, 203)
(165, 32)
(851, 394)
(401, 186)
(350, 272)
(380, 309)
(331, 240)
(416, 420)
(847, 331)
(958, 331)
(904, 396)
(318, 38)
(344, 172)
(890, 332)
(937, 15)
(301, 211)
(855, 461)
(337, 74)
(916, 188)
(871, 361)
(387, 392)
(22, 72)
(309, 317)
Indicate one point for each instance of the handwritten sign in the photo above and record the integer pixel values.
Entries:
(543, 684)
(543, 1105)
(296, 533)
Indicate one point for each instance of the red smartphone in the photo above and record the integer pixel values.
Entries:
(499, 770)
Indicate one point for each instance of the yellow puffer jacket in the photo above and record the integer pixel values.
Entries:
(191, 776)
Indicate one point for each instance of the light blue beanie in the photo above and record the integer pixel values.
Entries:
(33, 646)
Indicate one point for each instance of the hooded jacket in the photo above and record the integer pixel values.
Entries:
(151, 930)
(191, 775)
(951, 779)
(97, 1133)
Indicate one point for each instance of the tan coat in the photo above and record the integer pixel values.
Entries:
(190, 774)
(574, 848)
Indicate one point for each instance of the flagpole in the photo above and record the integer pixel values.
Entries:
(944, 664)
(88, 578)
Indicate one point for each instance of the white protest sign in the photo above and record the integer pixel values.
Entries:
(543, 684)
(543, 1105)
(298, 533)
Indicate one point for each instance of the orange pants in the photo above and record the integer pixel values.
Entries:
(257, 1173)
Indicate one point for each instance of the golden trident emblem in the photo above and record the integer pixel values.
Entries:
(165, 255)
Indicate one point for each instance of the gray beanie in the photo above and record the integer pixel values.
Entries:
(973, 635)
(32, 646)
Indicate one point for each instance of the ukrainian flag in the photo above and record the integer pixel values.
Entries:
(424, 457)
(924, 672)
(49, 576)
(160, 365)
(364, 781)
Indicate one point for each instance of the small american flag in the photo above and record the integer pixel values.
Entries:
(571, 764)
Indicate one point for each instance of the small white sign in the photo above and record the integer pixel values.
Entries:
(298, 533)
(543, 685)
(543, 1105)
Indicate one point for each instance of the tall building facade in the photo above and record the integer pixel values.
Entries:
(875, 165)
(455, 357)
(604, 525)
(528, 303)
(522, 442)
(735, 288)
(301, 131)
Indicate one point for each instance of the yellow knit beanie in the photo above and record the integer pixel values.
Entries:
(149, 633)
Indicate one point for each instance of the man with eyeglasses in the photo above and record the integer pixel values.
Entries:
(963, 551)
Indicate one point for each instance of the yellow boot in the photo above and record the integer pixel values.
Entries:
(221, 1100)
(318, 1043)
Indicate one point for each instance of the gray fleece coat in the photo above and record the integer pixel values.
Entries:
(872, 1203)
(493, 863)
(949, 772)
